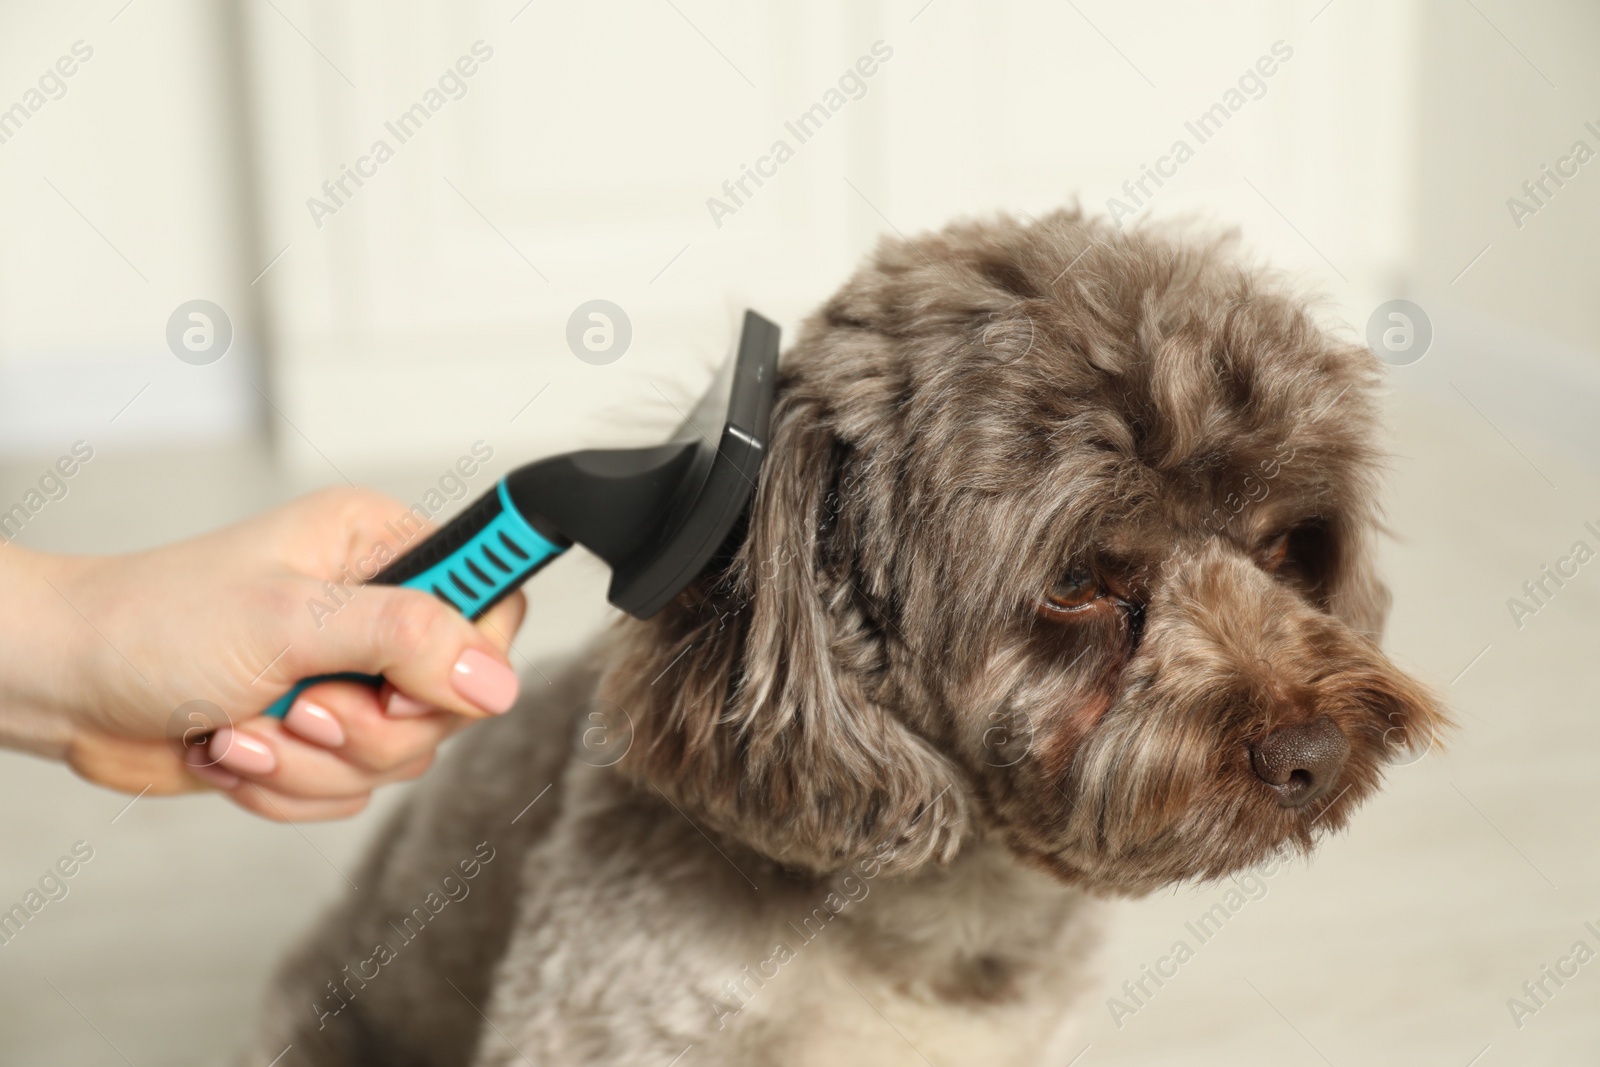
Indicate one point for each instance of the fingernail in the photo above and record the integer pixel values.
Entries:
(315, 724)
(201, 767)
(401, 706)
(485, 681)
(238, 751)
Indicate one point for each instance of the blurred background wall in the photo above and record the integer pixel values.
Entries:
(537, 156)
(1505, 252)
(124, 197)
(391, 321)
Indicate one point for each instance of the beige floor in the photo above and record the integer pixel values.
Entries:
(1400, 944)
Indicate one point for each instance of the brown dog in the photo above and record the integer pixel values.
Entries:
(1058, 582)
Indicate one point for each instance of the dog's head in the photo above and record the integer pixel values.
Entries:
(1065, 537)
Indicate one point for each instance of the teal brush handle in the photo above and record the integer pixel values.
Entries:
(472, 563)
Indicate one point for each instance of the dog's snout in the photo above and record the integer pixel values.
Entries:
(1301, 762)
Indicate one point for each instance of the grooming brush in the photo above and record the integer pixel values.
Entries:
(655, 515)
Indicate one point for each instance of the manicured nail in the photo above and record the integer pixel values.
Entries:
(315, 724)
(401, 706)
(485, 681)
(201, 767)
(238, 751)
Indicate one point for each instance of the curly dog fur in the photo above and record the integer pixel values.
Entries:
(1058, 584)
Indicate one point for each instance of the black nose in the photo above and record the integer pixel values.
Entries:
(1302, 762)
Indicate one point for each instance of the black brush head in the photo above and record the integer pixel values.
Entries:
(658, 515)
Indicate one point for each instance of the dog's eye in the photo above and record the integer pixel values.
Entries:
(1275, 552)
(1303, 556)
(1076, 591)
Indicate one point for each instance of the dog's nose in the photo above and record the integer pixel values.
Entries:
(1301, 762)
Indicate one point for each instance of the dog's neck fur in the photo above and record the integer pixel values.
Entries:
(953, 954)
(986, 929)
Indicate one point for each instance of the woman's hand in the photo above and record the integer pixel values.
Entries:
(114, 663)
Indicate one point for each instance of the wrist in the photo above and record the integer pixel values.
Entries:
(37, 643)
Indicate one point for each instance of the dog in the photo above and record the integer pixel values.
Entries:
(1057, 585)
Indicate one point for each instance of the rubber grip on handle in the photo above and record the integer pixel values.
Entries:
(471, 563)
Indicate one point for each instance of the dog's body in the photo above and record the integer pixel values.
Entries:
(1057, 583)
(607, 929)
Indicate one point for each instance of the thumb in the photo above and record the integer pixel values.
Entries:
(423, 647)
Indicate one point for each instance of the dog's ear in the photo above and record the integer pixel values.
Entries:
(753, 695)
